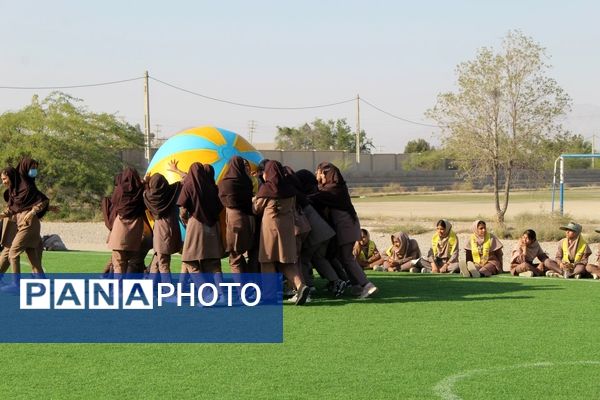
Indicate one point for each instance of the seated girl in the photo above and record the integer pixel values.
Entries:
(594, 269)
(443, 254)
(571, 255)
(522, 261)
(483, 253)
(403, 255)
(366, 252)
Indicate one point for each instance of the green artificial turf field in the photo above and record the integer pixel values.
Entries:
(423, 336)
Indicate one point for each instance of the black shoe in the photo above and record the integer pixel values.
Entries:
(303, 294)
(339, 288)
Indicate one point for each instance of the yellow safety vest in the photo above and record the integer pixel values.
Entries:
(453, 240)
(370, 251)
(485, 248)
(581, 245)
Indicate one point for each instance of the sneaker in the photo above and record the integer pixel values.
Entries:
(567, 275)
(425, 271)
(552, 274)
(577, 276)
(473, 269)
(464, 271)
(289, 292)
(595, 276)
(414, 270)
(380, 268)
(293, 299)
(368, 290)
(527, 274)
(356, 290)
(303, 294)
(339, 288)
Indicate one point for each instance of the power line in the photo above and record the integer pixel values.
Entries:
(250, 105)
(70, 86)
(397, 117)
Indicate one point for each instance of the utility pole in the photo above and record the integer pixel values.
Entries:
(358, 129)
(593, 149)
(156, 134)
(147, 116)
(251, 129)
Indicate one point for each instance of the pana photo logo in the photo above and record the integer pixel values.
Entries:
(133, 294)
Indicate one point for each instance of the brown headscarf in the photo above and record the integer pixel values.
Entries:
(404, 242)
(443, 245)
(199, 195)
(334, 193)
(127, 199)
(276, 185)
(235, 188)
(23, 194)
(495, 245)
(159, 196)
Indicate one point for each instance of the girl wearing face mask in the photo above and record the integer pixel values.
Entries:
(443, 254)
(27, 205)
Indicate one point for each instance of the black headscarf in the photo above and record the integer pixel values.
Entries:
(235, 188)
(334, 193)
(127, 199)
(276, 185)
(23, 193)
(159, 196)
(199, 195)
(301, 199)
(308, 181)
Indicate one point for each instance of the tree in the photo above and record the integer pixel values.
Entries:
(79, 151)
(567, 143)
(504, 108)
(417, 146)
(322, 135)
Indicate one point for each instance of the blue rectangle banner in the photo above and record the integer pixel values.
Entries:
(192, 308)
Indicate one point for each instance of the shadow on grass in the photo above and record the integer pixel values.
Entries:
(405, 288)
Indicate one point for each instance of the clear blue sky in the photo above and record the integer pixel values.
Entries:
(397, 55)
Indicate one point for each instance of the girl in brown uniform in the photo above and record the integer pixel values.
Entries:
(199, 209)
(275, 201)
(443, 254)
(28, 205)
(9, 224)
(333, 194)
(402, 255)
(483, 253)
(572, 254)
(127, 213)
(160, 198)
(594, 268)
(235, 192)
(523, 257)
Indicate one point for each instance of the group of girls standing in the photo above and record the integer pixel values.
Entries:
(26, 205)
(277, 221)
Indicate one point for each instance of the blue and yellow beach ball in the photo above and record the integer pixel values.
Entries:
(204, 144)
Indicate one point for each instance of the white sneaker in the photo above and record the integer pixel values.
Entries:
(368, 290)
(425, 271)
(414, 270)
(380, 268)
(595, 276)
(473, 270)
(527, 274)
(464, 271)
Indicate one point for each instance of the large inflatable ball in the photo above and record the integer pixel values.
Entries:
(204, 144)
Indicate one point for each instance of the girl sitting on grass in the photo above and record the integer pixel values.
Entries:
(483, 253)
(402, 255)
(571, 255)
(523, 256)
(594, 269)
(366, 252)
(443, 254)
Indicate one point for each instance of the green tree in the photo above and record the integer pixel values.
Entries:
(505, 106)
(322, 135)
(79, 151)
(417, 146)
(567, 142)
